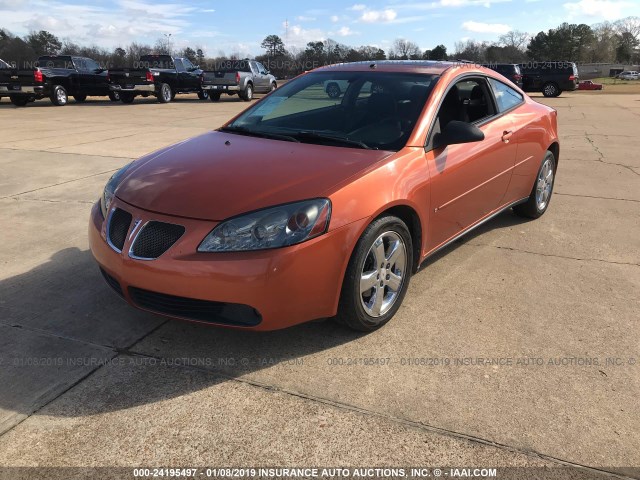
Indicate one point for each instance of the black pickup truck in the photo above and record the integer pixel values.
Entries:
(159, 75)
(56, 77)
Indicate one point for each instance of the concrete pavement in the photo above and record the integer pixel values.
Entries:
(89, 381)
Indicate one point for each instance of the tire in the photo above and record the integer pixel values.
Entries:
(127, 97)
(274, 85)
(551, 89)
(366, 310)
(59, 96)
(247, 95)
(542, 190)
(203, 95)
(333, 90)
(80, 98)
(214, 97)
(165, 95)
(19, 101)
(114, 96)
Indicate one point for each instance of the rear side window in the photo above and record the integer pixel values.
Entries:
(506, 97)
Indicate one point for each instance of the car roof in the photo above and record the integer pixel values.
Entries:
(407, 66)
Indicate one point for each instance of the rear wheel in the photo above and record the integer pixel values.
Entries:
(247, 95)
(165, 95)
(59, 96)
(540, 196)
(203, 95)
(19, 101)
(214, 97)
(114, 96)
(550, 89)
(377, 276)
(127, 97)
(80, 98)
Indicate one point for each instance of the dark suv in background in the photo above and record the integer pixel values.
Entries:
(549, 78)
(508, 70)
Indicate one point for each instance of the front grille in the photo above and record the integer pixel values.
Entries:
(112, 282)
(191, 309)
(155, 238)
(118, 228)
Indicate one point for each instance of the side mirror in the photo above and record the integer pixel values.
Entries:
(456, 132)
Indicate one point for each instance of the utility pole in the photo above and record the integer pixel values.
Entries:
(168, 37)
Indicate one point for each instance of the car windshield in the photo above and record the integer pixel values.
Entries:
(375, 110)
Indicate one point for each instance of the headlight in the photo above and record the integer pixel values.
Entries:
(270, 228)
(110, 188)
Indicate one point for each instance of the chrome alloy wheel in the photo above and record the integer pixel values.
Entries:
(383, 274)
(61, 96)
(166, 93)
(544, 184)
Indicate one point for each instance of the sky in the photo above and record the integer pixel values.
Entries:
(239, 27)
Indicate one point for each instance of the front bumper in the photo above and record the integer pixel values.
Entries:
(284, 286)
(134, 88)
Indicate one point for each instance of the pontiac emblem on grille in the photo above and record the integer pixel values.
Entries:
(126, 74)
(14, 77)
(136, 223)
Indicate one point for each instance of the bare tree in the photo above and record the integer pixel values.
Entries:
(629, 25)
(404, 50)
(515, 39)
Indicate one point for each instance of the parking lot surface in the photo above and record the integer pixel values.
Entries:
(552, 305)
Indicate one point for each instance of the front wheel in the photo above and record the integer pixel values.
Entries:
(127, 97)
(19, 101)
(203, 95)
(540, 196)
(214, 96)
(59, 96)
(377, 277)
(165, 95)
(114, 96)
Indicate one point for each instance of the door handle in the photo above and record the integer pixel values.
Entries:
(506, 135)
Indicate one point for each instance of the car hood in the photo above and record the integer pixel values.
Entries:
(218, 175)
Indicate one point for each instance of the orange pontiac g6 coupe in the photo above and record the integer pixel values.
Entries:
(309, 205)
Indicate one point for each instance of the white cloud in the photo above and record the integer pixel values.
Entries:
(304, 18)
(448, 4)
(602, 9)
(358, 7)
(375, 16)
(299, 37)
(335, 18)
(479, 27)
(345, 32)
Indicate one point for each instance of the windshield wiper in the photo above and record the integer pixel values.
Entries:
(259, 133)
(311, 135)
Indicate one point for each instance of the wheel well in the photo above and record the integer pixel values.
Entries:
(409, 216)
(555, 149)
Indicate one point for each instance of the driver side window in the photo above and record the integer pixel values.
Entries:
(469, 101)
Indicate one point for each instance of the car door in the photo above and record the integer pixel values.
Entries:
(468, 181)
(192, 78)
(182, 77)
(79, 80)
(263, 78)
(96, 79)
